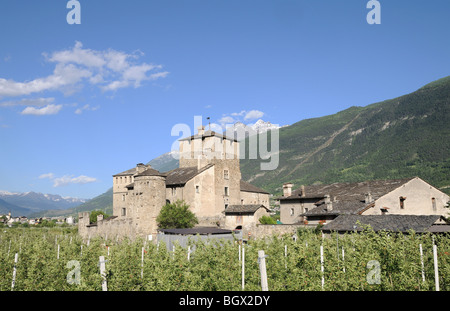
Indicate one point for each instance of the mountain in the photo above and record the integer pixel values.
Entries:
(401, 137)
(165, 162)
(15, 210)
(28, 203)
(397, 138)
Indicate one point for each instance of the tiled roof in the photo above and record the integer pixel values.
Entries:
(244, 209)
(245, 186)
(395, 223)
(129, 172)
(208, 134)
(346, 198)
(150, 172)
(350, 191)
(180, 176)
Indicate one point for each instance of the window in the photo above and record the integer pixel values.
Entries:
(433, 204)
(174, 191)
(225, 174)
(226, 206)
(292, 212)
(123, 197)
(197, 189)
(402, 202)
(124, 211)
(226, 191)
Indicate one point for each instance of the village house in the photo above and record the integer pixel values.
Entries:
(208, 180)
(321, 204)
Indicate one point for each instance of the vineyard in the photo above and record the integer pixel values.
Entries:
(56, 259)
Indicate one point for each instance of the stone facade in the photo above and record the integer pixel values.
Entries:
(323, 203)
(208, 180)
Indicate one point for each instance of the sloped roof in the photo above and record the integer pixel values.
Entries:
(208, 134)
(394, 223)
(150, 172)
(129, 172)
(339, 207)
(247, 187)
(180, 176)
(349, 191)
(244, 209)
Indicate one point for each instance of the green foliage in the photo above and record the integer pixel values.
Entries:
(267, 220)
(176, 215)
(216, 266)
(403, 137)
(93, 215)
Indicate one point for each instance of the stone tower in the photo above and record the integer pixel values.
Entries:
(209, 147)
(146, 197)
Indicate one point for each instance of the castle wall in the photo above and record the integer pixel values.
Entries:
(254, 198)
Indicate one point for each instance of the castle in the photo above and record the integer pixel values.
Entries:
(208, 180)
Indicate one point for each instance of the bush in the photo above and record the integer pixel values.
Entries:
(267, 220)
(176, 215)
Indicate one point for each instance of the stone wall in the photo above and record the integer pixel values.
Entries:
(262, 231)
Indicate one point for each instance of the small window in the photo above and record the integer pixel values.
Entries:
(225, 174)
(226, 206)
(174, 191)
(292, 212)
(124, 211)
(402, 202)
(197, 189)
(123, 197)
(226, 191)
(433, 204)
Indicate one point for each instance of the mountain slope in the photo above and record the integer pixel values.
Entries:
(402, 137)
(15, 210)
(397, 138)
(28, 203)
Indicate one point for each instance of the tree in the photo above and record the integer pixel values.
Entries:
(176, 215)
(94, 214)
(267, 220)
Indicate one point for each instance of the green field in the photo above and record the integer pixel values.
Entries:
(353, 262)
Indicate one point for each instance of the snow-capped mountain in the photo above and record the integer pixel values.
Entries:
(34, 201)
(241, 130)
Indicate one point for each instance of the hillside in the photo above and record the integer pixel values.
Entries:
(402, 137)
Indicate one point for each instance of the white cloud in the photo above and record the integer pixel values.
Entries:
(253, 114)
(226, 120)
(86, 107)
(38, 102)
(69, 179)
(110, 70)
(47, 110)
(48, 175)
(243, 115)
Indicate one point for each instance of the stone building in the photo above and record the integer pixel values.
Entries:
(323, 203)
(208, 180)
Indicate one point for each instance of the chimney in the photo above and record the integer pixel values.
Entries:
(303, 193)
(201, 130)
(287, 189)
(329, 204)
(140, 167)
(368, 199)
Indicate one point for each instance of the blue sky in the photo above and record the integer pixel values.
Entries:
(79, 103)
